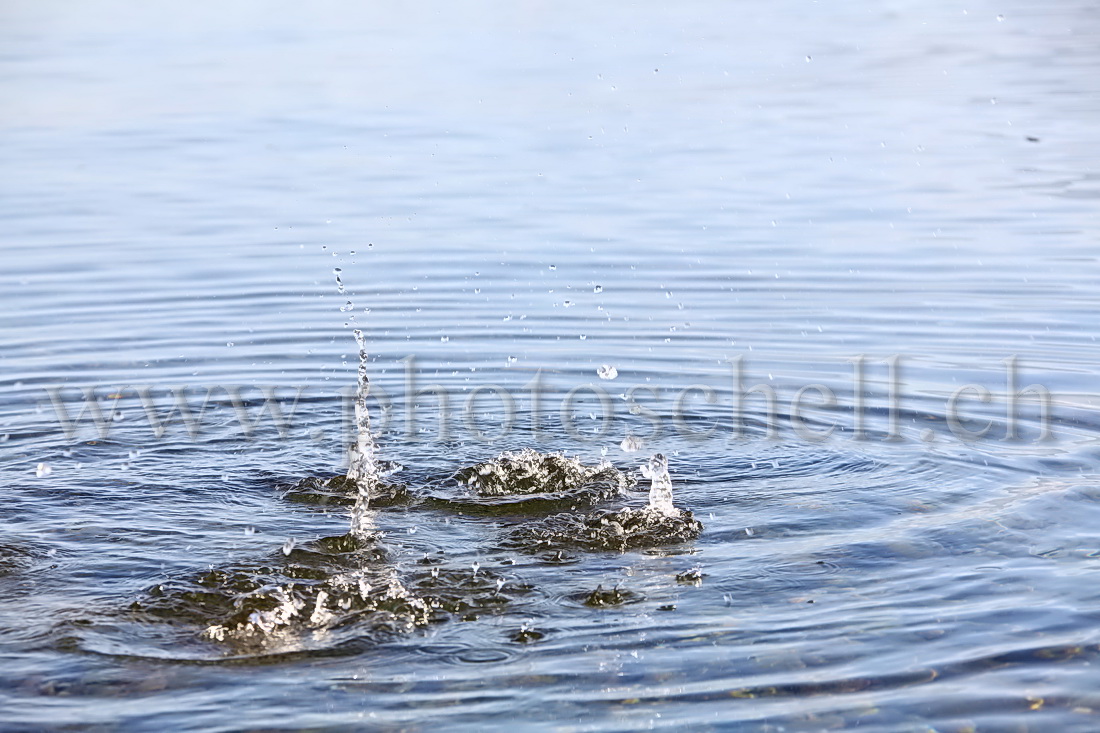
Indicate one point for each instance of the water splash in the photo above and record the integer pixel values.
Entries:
(527, 471)
(362, 456)
(660, 490)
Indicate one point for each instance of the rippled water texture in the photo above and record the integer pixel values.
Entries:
(577, 223)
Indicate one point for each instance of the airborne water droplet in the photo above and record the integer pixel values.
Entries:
(607, 372)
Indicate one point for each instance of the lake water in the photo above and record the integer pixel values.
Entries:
(887, 216)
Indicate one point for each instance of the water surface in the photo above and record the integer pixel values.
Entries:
(664, 190)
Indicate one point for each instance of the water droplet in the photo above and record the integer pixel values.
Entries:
(568, 304)
(632, 444)
(288, 546)
(249, 531)
(476, 566)
(444, 339)
(598, 289)
(607, 372)
(42, 470)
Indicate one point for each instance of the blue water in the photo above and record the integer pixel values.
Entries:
(529, 193)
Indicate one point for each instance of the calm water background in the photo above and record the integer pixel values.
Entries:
(556, 187)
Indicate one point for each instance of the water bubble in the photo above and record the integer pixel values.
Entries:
(42, 470)
(632, 444)
(288, 546)
(607, 372)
